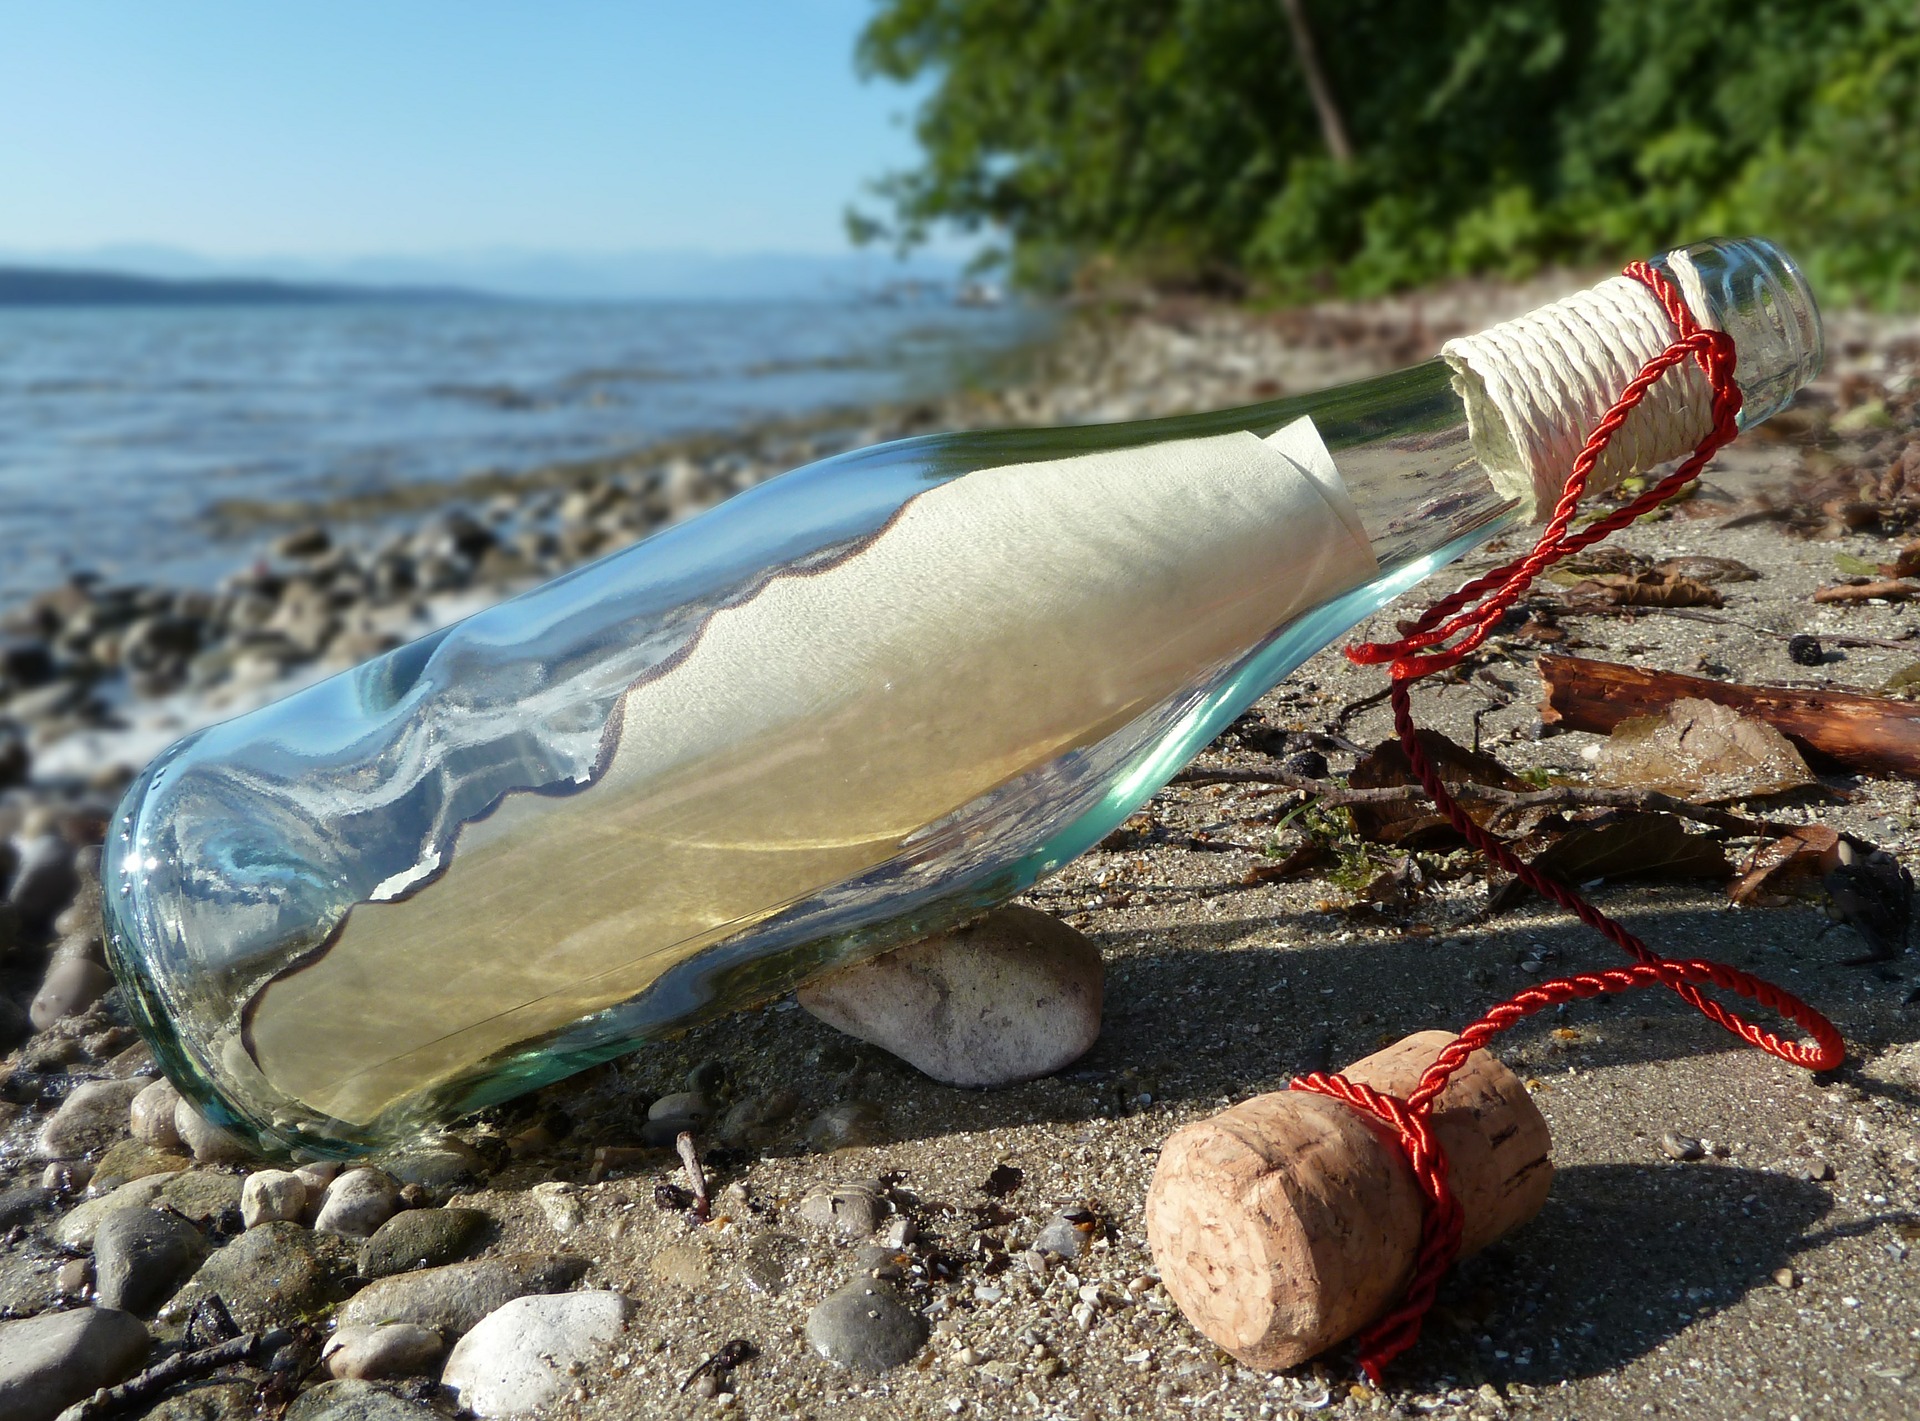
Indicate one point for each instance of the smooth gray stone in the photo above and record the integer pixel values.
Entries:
(77, 1225)
(526, 1353)
(94, 1116)
(865, 1326)
(421, 1238)
(51, 1361)
(357, 1203)
(452, 1298)
(354, 1401)
(141, 1254)
(270, 1276)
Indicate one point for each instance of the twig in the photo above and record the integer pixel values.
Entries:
(179, 1367)
(696, 1177)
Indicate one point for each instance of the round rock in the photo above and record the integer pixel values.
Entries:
(140, 1255)
(866, 1327)
(396, 1349)
(1013, 996)
(207, 1141)
(853, 1209)
(357, 1203)
(354, 1401)
(269, 1275)
(271, 1196)
(51, 1361)
(93, 1116)
(527, 1352)
(452, 1298)
(69, 988)
(152, 1116)
(420, 1238)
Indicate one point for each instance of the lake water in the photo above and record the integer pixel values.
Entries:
(121, 429)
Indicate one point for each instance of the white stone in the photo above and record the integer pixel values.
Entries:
(357, 1203)
(1013, 996)
(208, 1142)
(270, 1195)
(394, 1349)
(153, 1113)
(521, 1355)
(560, 1204)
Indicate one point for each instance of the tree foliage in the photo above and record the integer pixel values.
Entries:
(1176, 138)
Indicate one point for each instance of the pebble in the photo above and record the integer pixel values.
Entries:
(526, 1353)
(671, 1114)
(452, 1298)
(357, 1203)
(45, 880)
(140, 1255)
(852, 1209)
(394, 1349)
(440, 1166)
(272, 1196)
(752, 1120)
(269, 1275)
(53, 1360)
(76, 1227)
(22, 1205)
(560, 1205)
(207, 1142)
(1063, 1236)
(1682, 1147)
(69, 988)
(840, 1127)
(353, 1400)
(127, 1160)
(1013, 996)
(420, 1238)
(152, 1116)
(94, 1115)
(866, 1327)
(207, 1401)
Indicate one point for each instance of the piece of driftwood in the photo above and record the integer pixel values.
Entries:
(1290, 1222)
(1860, 732)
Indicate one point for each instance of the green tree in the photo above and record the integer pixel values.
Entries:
(1180, 139)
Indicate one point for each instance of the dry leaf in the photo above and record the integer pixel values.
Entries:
(1701, 750)
(1776, 868)
(1416, 824)
(1889, 590)
(1621, 846)
(1302, 859)
(1645, 589)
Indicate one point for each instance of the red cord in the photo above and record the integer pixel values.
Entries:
(1470, 615)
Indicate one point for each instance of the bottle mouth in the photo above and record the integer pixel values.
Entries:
(1756, 293)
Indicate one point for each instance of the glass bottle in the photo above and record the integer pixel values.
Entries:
(853, 705)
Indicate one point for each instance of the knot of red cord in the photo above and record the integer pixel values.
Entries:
(1448, 632)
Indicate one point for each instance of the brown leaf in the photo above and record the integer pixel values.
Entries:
(1645, 589)
(1302, 859)
(1906, 562)
(1776, 868)
(1889, 589)
(1621, 846)
(1416, 824)
(1698, 749)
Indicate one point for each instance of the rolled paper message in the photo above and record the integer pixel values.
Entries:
(1290, 1222)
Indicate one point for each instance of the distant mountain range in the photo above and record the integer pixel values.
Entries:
(175, 275)
(41, 286)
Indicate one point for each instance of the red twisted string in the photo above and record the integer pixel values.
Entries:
(1442, 637)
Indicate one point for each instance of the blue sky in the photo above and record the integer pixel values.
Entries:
(416, 126)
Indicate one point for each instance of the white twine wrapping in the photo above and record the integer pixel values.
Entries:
(1534, 388)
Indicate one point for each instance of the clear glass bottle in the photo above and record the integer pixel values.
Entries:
(853, 705)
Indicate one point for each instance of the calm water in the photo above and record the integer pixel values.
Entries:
(120, 429)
